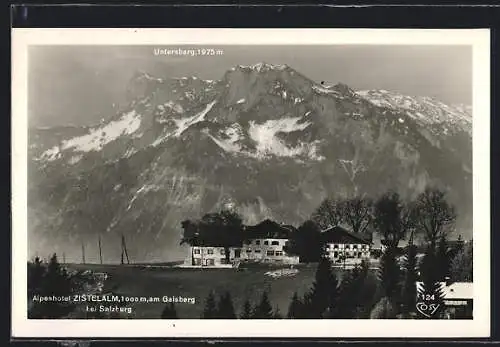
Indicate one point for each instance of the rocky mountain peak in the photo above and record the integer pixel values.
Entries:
(265, 139)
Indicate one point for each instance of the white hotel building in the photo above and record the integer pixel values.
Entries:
(344, 246)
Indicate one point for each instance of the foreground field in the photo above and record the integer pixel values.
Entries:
(137, 281)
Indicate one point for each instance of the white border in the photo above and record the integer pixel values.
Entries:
(478, 327)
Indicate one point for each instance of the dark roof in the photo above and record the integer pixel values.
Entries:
(269, 229)
(337, 234)
(217, 243)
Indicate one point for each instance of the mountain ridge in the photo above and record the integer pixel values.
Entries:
(270, 141)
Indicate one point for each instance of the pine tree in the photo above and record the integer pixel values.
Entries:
(225, 308)
(430, 291)
(461, 264)
(57, 282)
(247, 310)
(389, 273)
(169, 312)
(442, 258)
(36, 272)
(321, 300)
(295, 308)
(384, 309)
(350, 293)
(264, 309)
(409, 287)
(366, 291)
(210, 310)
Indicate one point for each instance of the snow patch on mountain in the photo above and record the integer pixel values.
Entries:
(232, 135)
(322, 90)
(423, 109)
(97, 138)
(184, 123)
(266, 140)
(145, 75)
(240, 101)
(75, 159)
(144, 189)
(260, 67)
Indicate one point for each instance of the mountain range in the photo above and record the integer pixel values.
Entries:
(263, 139)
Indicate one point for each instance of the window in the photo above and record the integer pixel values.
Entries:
(222, 260)
(257, 242)
(210, 262)
(222, 252)
(197, 261)
(270, 253)
(279, 253)
(266, 242)
(363, 247)
(275, 243)
(359, 254)
(335, 246)
(355, 246)
(257, 251)
(210, 251)
(249, 251)
(197, 251)
(335, 254)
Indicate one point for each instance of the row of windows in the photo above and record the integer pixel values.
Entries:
(266, 242)
(269, 253)
(210, 251)
(349, 254)
(336, 246)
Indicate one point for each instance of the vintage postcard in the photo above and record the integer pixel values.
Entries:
(251, 183)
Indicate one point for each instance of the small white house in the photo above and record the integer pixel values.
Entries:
(344, 246)
(212, 256)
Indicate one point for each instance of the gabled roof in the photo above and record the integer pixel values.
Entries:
(268, 229)
(337, 234)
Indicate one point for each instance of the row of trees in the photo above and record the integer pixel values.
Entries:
(224, 309)
(47, 279)
(430, 214)
(394, 219)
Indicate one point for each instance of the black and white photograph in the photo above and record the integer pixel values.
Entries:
(246, 179)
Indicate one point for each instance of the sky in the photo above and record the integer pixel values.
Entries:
(77, 85)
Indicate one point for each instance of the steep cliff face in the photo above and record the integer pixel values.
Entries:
(263, 138)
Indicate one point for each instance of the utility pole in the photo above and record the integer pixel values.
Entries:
(100, 249)
(83, 253)
(124, 251)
